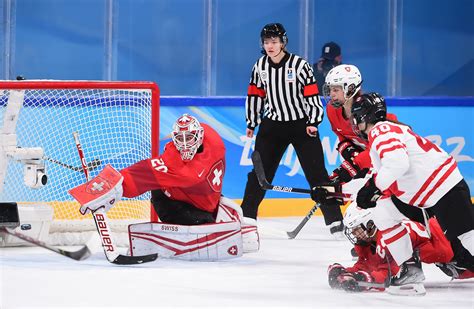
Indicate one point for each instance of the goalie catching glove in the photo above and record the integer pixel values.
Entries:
(103, 191)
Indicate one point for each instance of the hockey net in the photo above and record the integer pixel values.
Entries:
(118, 124)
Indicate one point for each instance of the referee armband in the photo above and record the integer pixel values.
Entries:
(253, 90)
(310, 90)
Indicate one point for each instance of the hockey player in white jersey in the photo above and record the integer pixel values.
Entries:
(417, 172)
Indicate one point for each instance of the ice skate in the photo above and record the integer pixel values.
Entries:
(409, 280)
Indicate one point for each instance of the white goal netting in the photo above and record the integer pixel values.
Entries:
(115, 121)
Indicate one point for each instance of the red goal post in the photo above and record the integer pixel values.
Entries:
(119, 125)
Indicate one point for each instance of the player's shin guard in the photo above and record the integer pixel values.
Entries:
(207, 242)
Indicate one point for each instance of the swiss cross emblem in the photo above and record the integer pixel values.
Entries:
(97, 186)
(233, 250)
(184, 120)
(216, 175)
(348, 69)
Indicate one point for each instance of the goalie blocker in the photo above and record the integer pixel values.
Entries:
(230, 237)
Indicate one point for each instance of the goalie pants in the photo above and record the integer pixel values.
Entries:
(178, 212)
(273, 138)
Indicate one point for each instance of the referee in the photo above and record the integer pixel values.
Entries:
(283, 98)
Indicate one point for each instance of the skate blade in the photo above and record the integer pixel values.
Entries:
(411, 289)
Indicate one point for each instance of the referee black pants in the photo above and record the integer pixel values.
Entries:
(273, 138)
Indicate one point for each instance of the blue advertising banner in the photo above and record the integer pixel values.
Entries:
(445, 121)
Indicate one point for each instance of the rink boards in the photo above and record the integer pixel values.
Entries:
(445, 121)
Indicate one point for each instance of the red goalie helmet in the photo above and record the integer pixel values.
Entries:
(188, 135)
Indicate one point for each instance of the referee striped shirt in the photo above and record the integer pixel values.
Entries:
(286, 91)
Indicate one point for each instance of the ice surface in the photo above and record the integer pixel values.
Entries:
(283, 274)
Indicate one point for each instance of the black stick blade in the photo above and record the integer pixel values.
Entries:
(259, 172)
(130, 260)
(78, 255)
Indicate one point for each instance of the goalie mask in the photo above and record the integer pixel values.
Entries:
(345, 76)
(188, 135)
(359, 227)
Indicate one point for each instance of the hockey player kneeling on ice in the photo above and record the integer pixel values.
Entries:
(186, 187)
(375, 268)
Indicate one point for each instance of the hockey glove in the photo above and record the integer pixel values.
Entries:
(322, 193)
(345, 172)
(350, 281)
(368, 195)
(349, 150)
(334, 271)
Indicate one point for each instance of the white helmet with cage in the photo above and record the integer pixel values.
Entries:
(188, 135)
(347, 77)
(358, 223)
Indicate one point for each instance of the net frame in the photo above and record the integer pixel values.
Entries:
(42, 85)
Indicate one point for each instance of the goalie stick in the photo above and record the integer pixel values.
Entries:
(94, 164)
(262, 180)
(103, 227)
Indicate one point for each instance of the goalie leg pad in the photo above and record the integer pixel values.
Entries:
(250, 236)
(207, 242)
(228, 211)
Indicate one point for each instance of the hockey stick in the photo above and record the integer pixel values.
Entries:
(262, 180)
(103, 227)
(94, 164)
(292, 234)
(78, 255)
(9, 220)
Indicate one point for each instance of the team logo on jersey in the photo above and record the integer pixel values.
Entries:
(290, 77)
(215, 176)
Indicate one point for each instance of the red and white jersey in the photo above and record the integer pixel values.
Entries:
(342, 127)
(414, 169)
(374, 260)
(197, 182)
